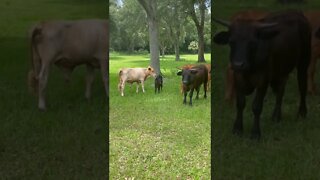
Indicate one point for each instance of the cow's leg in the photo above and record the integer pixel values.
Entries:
(142, 86)
(205, 89)
(185, 97)
(198, 90)
(137, 89)
(257, 107)
(89, 81)
(278, 88)
(311, 74)
(190, 95)
(238, 126)
(43, 79)
(104, 66)
(302, 81)
(123, 83)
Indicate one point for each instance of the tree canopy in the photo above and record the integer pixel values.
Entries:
(176, 26)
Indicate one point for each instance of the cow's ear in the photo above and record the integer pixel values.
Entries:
(179, 73)
(193, 71)
(222, 38)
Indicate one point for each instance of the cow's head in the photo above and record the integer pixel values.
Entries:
(248, 41)
(151, 72)
(188, 75)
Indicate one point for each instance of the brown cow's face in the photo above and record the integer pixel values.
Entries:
(247, 41)
(151, 72)
(188, 75)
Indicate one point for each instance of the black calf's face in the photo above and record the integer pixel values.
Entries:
(246, 40)
(188, 76)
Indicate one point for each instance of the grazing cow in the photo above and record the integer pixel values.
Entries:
(314, 21)
(192, 80)
(131, 75)
(68, 44)
(189, 66)
(263, 53)
(158, 84)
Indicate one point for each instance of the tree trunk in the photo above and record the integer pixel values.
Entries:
(200, 45)
(150, 6)
(177, 51)
(154, 44)
(200, 26)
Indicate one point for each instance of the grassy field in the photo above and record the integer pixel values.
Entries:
(67, 141)
(289, 149)
(155, 136)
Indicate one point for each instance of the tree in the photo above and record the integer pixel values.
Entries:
(173, 18)
(129, 30)
(150, 6)
(199, 22)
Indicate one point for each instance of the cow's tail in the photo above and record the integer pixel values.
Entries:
(120, 80)
(33, 74)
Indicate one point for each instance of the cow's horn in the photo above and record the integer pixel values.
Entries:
(222, 22)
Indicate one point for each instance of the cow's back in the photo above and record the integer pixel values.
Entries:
(201, 75)
(132, 74)
(292, 44)
(78, 40)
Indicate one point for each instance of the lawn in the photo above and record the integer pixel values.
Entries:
(289, 149)
(69, 140)
(155, 136)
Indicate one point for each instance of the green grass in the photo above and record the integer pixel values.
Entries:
(155, 136)
(67, 141)
(289, 149)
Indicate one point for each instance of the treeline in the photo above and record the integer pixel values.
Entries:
(129, 27)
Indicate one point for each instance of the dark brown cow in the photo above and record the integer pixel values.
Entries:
(192, 79)
(264, 53)
(314, 20)
(189, 66)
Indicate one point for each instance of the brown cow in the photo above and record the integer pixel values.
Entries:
(131, 75)
(68, 44)
(314, 20)
(189, 66)
(192, 79)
